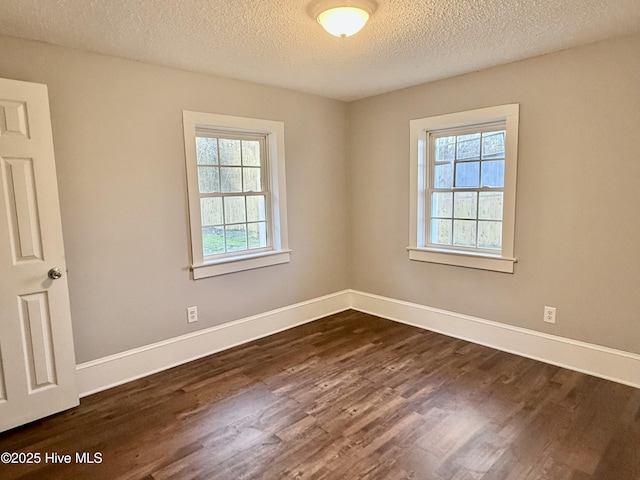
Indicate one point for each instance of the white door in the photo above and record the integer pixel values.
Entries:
(37, 361)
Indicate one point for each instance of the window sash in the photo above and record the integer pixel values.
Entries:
(430, 137)
(264, 191)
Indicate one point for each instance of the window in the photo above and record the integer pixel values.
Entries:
(463, 188)
(236, 184)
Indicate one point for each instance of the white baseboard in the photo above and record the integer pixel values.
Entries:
(608, 363)
(107, 372)
(603, 362)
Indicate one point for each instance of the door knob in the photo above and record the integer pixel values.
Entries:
(54, 273)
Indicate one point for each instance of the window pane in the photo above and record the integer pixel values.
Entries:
(490, 235)
(464, 233)
(443, 176)
(256, 210)
(207, 151)
(441, 232)
(209, 179)
(252, 181)
(441, 204)
(445, 149)
(236, 237)
(493, 145)
(493, 174)
(467, 174)
(490, 207)
(234, 210)
(465, 205)
(469, 147)
(212, 240)
(229, 151)
(211, 211)
(231, 179)
(257, 235)
(251, 153)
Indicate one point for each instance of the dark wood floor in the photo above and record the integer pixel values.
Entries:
(348, 397)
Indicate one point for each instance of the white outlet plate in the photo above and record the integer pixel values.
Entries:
(550, 314)
(192, 314)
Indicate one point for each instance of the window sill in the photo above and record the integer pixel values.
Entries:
(480, 261)
(240, 263)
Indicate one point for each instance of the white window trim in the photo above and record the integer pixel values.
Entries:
(245, 260)
(419, 130)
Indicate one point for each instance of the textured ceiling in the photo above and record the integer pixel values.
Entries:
(276, 42)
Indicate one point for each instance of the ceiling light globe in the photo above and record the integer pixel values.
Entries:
(343, 21)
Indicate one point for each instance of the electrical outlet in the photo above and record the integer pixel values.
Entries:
(192, 314)
(550, 314)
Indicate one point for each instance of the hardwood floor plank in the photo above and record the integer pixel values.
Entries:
(350, 396)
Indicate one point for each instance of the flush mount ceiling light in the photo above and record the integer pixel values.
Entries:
(342, 18)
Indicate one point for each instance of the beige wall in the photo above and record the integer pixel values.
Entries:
(117, 128)
(120, 159)
(578, 198)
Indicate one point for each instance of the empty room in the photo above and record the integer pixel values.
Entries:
(320, 239)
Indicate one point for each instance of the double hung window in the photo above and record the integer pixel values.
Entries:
(463, 188)
(235, 172)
